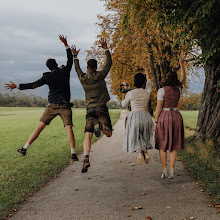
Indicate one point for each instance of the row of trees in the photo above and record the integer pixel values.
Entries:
(20, 100)
(159, 31)
(191, 102)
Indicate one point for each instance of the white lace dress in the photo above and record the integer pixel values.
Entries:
(139, 124)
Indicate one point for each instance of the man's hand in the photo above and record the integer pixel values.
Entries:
(63, 39)
(144, 64)
(75, 51)
(103, 44)
(10, 86)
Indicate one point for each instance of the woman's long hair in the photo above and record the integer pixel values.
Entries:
(172, 80)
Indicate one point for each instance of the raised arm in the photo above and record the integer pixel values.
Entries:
(69, 63)
(145, 67)
(106, 68)
(183, 72)
(76, 62)
(149, 83)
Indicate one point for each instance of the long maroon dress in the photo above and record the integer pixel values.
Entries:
(170, 130)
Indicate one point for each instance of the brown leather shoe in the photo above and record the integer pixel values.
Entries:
(86, 165)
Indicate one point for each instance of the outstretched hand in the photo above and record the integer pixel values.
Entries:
(74, 50)
(10, 86)
(103, 43)
(144, 64)
(63, 39)
(182, 59)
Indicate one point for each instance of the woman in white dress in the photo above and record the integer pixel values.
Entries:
(139, 125)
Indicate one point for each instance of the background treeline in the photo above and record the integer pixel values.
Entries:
(190, 102)
(21, 100)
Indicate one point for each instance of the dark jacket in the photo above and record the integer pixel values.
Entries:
(58, 81)
(93, 82)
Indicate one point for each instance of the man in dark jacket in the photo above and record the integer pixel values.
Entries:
(96, 97)
(58, 80)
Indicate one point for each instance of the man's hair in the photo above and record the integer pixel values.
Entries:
(92, 64)
(51, 64)
(139, 80)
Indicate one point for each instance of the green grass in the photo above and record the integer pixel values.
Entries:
(201, 158)
(190, 119)
(21, 176)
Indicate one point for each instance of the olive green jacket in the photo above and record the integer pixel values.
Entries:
(93, 82)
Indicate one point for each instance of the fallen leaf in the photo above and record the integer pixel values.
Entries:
(217, 206)
(34, 213)
(191, 217)
(129, 215)
(148, 218)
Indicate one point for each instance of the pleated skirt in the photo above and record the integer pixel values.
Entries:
(170, 131)
(138, 132)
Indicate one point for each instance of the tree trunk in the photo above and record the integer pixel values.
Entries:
(208, 125)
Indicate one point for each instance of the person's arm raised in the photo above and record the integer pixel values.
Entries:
(182, 67)
(149, 83)
(108, 63)
(76, 61)
(68, 50)
(145, 67)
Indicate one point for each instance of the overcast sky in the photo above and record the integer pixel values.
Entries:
(29, 36)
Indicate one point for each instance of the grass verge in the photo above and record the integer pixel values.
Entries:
(22, 176)
(203, 162)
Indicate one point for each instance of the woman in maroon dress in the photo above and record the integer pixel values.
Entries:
(168, 125)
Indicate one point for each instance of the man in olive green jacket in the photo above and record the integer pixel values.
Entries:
(96, 97)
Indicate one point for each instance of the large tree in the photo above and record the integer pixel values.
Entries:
(199, 21)
(135, 36)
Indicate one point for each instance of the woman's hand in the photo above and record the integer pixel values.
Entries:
(155, 127)
(182, 59)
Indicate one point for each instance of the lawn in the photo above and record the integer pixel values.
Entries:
(21, 176)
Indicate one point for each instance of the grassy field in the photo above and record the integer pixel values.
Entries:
(21, 176)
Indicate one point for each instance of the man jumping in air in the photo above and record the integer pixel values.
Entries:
(96, 97)
(58, 80)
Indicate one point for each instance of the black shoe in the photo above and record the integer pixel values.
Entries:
(22, 151)
(97, 129)
(74, 157)
(86, 165)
